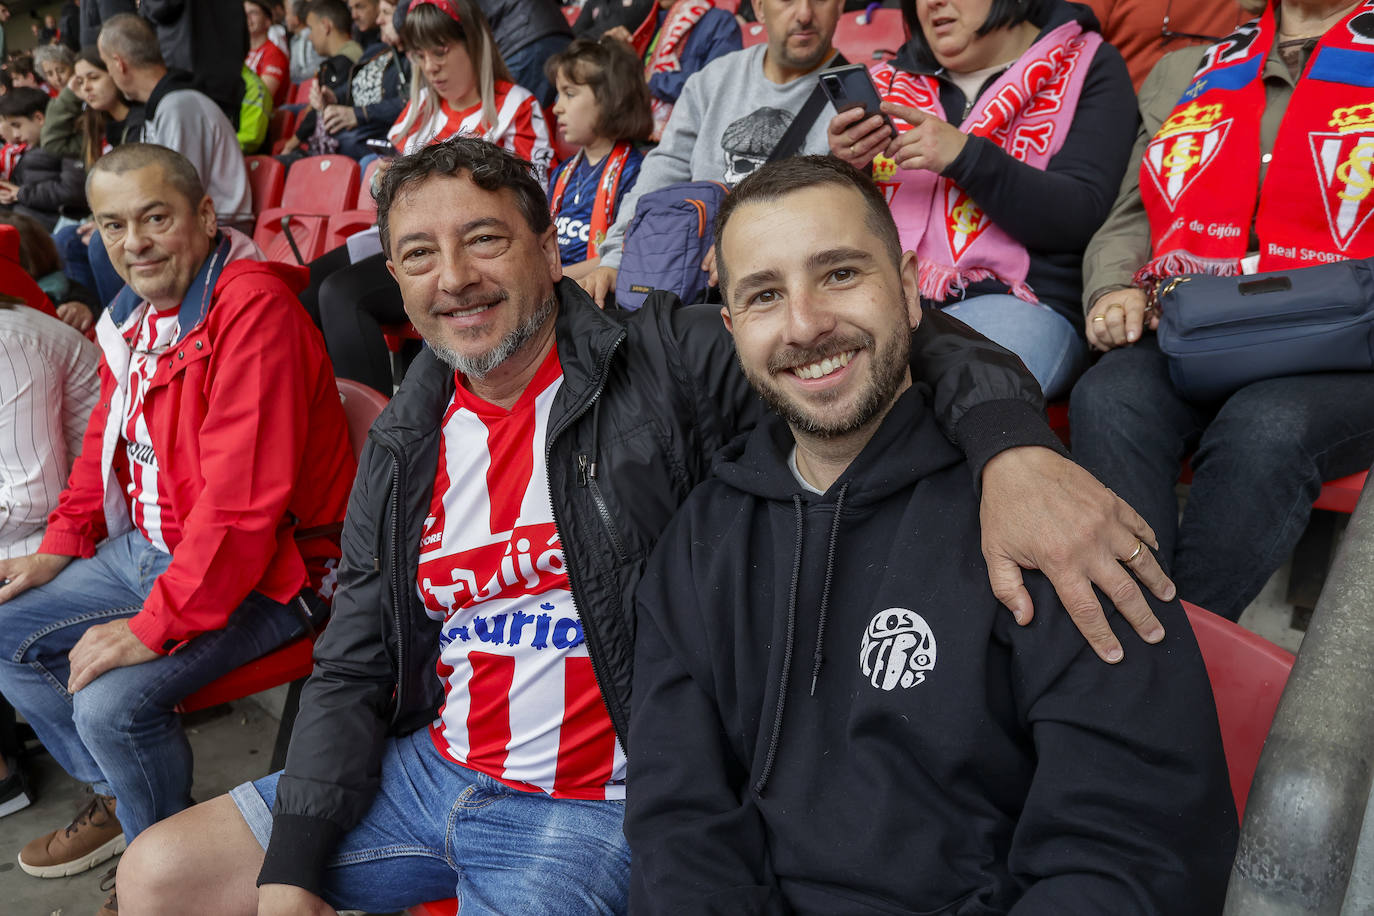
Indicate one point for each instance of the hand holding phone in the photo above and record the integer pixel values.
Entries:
(850, 87)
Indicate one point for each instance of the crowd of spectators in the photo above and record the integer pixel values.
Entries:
(1027, 151)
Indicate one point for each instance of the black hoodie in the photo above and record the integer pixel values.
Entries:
(833, 714)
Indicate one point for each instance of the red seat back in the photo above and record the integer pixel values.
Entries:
(361, 405)
(267, 177)
(1342, 495)
(365, 199)
(753, 33)
(321, 185)
(867, 37)
(1248, 673)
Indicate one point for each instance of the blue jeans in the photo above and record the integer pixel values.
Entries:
(438, 830)
(76, 262)
(1053, 349)
(121, 733)
(108, 282)
(1259, 460)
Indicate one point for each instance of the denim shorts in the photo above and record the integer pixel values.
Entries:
(437, 830)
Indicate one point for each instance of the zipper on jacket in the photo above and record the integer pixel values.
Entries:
(586, 477)
(397, 703)
(594, 648)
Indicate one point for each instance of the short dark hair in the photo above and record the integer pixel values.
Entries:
(131, 37)
(22, 65)
(335, 11)
(489, 166)
(777, 179)
(616, 77)
(23, 102)
(1002, 14)
(177, 170)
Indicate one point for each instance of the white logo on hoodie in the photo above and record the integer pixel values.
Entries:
(898, 648)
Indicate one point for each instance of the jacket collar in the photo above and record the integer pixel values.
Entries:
(195, 303)
(586, 338)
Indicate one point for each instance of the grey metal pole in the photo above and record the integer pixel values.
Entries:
(1307, 805)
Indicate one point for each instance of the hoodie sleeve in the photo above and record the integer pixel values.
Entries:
(1156, 835)
(717, 33)
(696, 838)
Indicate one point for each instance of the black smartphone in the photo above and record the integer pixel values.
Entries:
(383, 148)
(849, 87)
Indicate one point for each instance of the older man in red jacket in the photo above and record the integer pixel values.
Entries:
(199, 528)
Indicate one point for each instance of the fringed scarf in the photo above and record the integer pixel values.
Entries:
(1200, 176)
(1026, 112)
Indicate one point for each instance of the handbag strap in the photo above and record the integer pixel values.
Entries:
(796, 132)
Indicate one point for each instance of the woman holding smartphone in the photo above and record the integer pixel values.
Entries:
(1014, 125)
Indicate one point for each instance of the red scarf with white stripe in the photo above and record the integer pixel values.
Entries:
(1200, 176)
(607, 190)
(1027, 112)
(666, 54)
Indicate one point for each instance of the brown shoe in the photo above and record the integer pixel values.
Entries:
(93, 837)
(111, 905)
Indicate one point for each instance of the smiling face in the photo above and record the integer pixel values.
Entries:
(951, 29)
(577, 111)
(156, 238)
(821, 316)
(477, 282)
(257, 21)
(799, 31)
(95, 87)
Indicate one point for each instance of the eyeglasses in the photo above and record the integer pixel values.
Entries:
(1168, 34)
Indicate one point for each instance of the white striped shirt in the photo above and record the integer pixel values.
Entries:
(48, 384)
(150, 507)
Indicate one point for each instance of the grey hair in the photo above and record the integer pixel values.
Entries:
(177, 170)
(130, 36)
(59, 54)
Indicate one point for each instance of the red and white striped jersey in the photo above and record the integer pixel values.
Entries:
(520, 127)
(521, 702)
(150, 508)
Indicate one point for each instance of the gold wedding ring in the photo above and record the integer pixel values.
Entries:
(1139, 546)
(1099, 318)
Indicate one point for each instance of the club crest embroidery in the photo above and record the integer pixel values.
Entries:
(1183, 148)
(898, 649)
(964, 220)
(1344, 160)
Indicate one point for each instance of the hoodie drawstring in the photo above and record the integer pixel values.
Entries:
(790, 639)
(819, 657)
(786, 654)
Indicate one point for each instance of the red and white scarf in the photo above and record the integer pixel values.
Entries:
(1027, 112)
(665, 56)
(607, 192)
(1200, 176)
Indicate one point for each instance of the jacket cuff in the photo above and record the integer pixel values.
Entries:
(298, 850)
(152, 633)
(66, 543)
(988, 429)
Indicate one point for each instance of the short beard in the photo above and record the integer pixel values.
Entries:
(889, 367)
(478, 366)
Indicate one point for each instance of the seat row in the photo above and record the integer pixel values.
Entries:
(312, 207)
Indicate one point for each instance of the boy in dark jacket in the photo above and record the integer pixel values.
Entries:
(831, 711)
(41, 185)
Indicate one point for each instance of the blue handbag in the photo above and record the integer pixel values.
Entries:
(1222, 333)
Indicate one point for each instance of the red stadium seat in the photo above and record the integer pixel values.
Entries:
(753, 33)
(1248, 674)
(731, 6)
(864, 38)
(267, 177)
(571, 13)
(341, 225)
(316, 188)
(300, 94)
(1341, 495)
(436, 908)
(365, 200)
(291, 662)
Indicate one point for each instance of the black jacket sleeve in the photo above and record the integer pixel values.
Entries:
(343, 705)
(95, 12)
(1159, 834)
(699, 845)
(1059, 208)
(53, 184)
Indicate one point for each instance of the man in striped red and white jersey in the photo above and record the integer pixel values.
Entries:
(461, 733)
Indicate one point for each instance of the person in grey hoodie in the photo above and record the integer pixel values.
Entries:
(831, 712)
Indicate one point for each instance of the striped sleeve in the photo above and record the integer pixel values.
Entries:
(524, 131)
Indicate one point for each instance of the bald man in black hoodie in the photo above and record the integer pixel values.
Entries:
(832, 713)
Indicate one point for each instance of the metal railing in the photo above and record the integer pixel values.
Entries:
(1306, 811)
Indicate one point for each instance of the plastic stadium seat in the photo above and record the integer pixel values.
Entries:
(341, 225)
(316, 188)
(864, 38)
(1341, 495)
(290, 663)
(571, 13)
(1248, 674)
(267, 177)
(365, 200)
(753, 33)
(731, 6)
(436, 908)
(300, 94)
